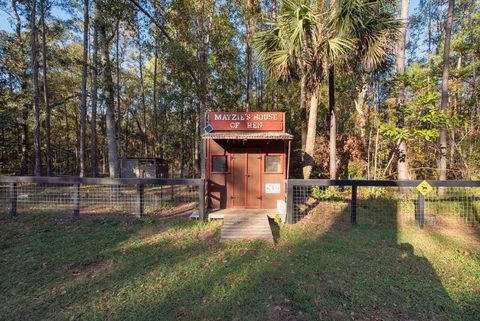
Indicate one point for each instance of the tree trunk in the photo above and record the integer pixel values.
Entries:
(142, 94)
(24, 140)
(25, 106)
(249, 67)
(155, 103)
(311, 134)
(204, 22)
(249, 26)
(444, 102)
(203, 121)
(303, 110)
(275, 87)
(117, 86)
(196, 146)
(94, 90)
(456, 109)
(83, 111)
(332, 143)
(359, 107)
(36, 107)
(375, 153)
(45, 89)
(113, 164)
(402, 164)
(182, 139)
(67, 138)
(474, 84)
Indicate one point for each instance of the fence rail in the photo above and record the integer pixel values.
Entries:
(384, 200)
(96, 194)
(352, 200)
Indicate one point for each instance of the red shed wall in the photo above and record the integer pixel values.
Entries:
(244, 184)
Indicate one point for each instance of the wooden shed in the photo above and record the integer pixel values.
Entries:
(144, 167)
(247, 159)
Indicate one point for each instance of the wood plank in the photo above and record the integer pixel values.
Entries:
(246, 225)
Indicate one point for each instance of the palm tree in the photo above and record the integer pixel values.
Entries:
(285, 48)
(372, 27)
(298, 46)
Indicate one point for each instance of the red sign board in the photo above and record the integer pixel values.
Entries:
(249, 121)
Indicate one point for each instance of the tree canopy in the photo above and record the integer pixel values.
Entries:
(83, 83)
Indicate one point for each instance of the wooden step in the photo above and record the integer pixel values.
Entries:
(246, 227)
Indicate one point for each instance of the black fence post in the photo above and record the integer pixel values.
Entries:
(289, 218)
(161, 195)
(201, 201)
(139, 201)
(12, 212)
(420, 213)
(353, 207)
(76, 200)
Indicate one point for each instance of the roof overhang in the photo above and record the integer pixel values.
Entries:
(248, 135)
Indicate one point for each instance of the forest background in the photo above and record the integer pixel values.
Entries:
(373, 89)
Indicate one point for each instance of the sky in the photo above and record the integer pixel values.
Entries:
(6, 17)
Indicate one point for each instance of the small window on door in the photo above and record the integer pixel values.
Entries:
(219, 164)
(273, 164)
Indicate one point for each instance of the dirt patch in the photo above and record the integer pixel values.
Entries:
(332, 313)
(175, 210)
(280, 312)
(206, 235)
(101, 210)
(151, 236)
(324, 214)
(183, 313)
(210, 238)
(92, 269)
(454, 227)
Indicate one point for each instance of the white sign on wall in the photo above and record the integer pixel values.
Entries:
(272, 188)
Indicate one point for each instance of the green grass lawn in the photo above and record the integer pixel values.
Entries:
(53, 268)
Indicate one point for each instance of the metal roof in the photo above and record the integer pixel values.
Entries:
(247, 135)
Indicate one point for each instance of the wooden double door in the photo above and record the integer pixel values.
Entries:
(245, 186)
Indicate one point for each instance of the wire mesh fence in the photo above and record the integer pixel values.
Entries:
(373, 202)
(100, 196)
(386, 204)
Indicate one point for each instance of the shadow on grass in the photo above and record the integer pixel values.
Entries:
(323, 269)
